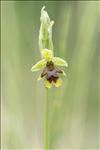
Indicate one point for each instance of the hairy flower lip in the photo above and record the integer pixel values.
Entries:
(52, 76)
(51, 73)
(50, 70)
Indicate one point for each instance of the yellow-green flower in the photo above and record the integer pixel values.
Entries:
(49, 66)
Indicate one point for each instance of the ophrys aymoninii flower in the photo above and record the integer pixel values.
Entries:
(49, 66)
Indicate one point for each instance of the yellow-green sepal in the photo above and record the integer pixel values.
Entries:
(59, 62)
(39, 65)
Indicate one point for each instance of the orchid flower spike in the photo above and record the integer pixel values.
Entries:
(48, 63)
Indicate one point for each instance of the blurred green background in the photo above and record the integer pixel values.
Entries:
(74, 107)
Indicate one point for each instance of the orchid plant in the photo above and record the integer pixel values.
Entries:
(49, 64)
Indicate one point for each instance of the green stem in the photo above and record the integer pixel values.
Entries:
(46, 122)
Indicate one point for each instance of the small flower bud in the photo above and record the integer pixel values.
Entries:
(45, 33)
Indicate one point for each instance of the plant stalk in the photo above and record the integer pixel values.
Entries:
(46, 122)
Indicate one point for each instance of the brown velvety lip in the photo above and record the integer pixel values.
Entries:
(51, 72)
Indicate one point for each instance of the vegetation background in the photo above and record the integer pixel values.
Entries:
(73, 108)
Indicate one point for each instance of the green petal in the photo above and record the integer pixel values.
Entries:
(58, 83)
(59, 62)
(39, 65)
(47, 84)
(47, 54)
